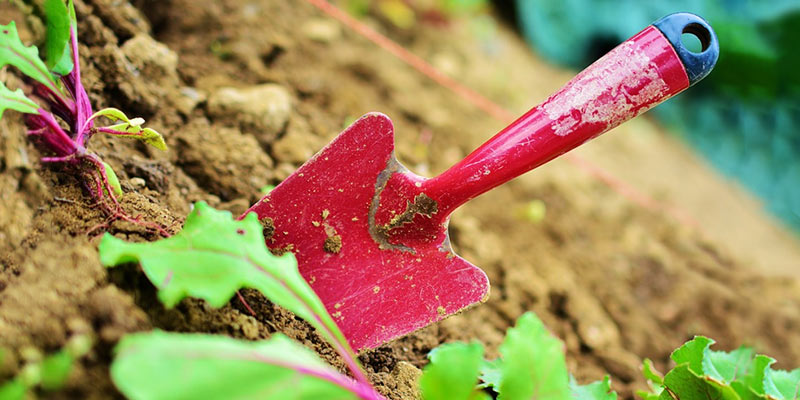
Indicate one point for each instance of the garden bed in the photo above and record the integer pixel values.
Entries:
(615, 281)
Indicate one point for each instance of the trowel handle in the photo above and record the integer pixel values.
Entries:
(640, 73)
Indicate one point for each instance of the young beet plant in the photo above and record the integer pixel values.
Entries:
(214, 256)
(49, 373)
(211, 258)
(61, 129)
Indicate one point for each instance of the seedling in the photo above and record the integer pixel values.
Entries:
(49, 373)
(531, 366)
(211, 258)
(702, 373)
(60, 120)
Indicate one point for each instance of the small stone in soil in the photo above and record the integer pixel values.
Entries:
(137, 182)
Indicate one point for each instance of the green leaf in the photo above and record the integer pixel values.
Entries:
(55, 370)
(162, 365)
(599, 390)
(14, 389)
(111, 113)
(490, 373)
(16, 100)
(650, 396)
(782, 385)
(73, 18)
(692, 353)
(533, 364)
(113, 181)
(147, 135)
(654, 379)
(650, 373)
(727, 367)
(453, 372)
(213, 257)
(686, 385)
(131, 128)
(751, 386)
(60, 23)
(26, 59)
(702, 373)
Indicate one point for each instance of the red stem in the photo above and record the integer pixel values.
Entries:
(64, 146)
(83, 108)
(55, 98)
(341, 347)
(364, 392)
(101, 168)
(244, 303)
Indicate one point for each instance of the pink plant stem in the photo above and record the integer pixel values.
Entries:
(73, 39)
(83, 109)
(363, 390)
(65, 146)
(244, 303)
(346, 353)
(341, 346)
(37, 132)
(65, 159)
(55, 98)
(98, 188)
(101, 168)
(91, 119)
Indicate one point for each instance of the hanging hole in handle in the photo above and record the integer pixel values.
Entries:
(696, 38)
(674, 27)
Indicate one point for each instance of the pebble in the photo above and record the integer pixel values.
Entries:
(189, 99)
(153, 59)
(321, 30)
(447, 63)
(137, 182)
(297, 145)
(265, 108)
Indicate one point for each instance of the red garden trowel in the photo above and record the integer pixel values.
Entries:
(371, 237)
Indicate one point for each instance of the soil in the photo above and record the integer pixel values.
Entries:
(617, 282)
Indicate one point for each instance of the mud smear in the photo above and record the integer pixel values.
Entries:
(422, 205)
(268, 227)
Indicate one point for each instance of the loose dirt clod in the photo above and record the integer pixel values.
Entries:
(283, 250)
(333, 244)
(269, 227)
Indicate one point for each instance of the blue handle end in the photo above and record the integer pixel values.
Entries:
(697, 65)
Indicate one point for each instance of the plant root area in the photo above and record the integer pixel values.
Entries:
(246, 91)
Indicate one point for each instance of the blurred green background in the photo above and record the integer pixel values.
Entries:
(744, 118)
